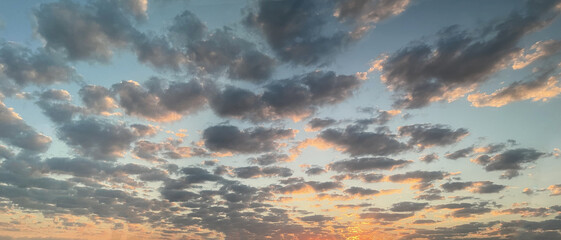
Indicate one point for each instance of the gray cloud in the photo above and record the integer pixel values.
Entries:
(231, 139)
(100, 139)
(255, 172)
(428, 135)
(14, 131)
(97, 99)
(25, 67)
(475, 187)
(318, 123)
(367, 164)
(511, 161)
(408, 206)
(162, 101)
(357, 142)
(464, 60)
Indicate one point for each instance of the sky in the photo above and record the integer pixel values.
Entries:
(280, 119)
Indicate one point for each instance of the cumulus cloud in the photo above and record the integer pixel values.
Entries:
(255, 172)
(541, 89)
(428, 135)
(225, 138)
(297, 97)
(475, 187)
(460, 60)
(421, 179)
(357, 142)
(97, 99)
(14, 131)
(161, 100)
(408, 206)
(510, 161)
(540, 49)
(101, 139)
(20, 67)
(320, 123)
(367, 164)
(296, 31)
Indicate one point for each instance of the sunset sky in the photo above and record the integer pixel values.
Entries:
(280, 119)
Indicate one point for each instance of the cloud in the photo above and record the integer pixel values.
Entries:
(542, 89)
(223, 50)
(422, 179)
(429, 158)
(554, 189)
(475, 187)
(162, 101)
(540, 49)
(317, 124)
(315, 171)
(226, 138)
(316, 218)
(510, 161)
(460, 60)
(101, 139)
(297, 31)
(367, 164)
(465, 210)
(256, 172)
(361, 191)
(14, 131)
(297, 97)
(462, 153)
(390, 217)
(269, 158)
(357, 142)
(408, 207)
(428, 135)
(56, 105)
(97, 99)
(83, 32)
(24, 67)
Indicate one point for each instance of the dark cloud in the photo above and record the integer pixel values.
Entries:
(510, 161)
(315, 171)
(162, 101)
(462, 153)
(14, 131)
(408, 207)
(475, 187)
(187, 28)
(465, 59)
(319, 123)
(57, 107)
(365, 177)
(101, 139)
(357, 142)
(255, 172)
(428, 135)
(297, 97)
(24, 67)
(542, 88)
(269, 158)
(309, 33)
(361, 191)
(292, 29)
(316, 218)
(230, 139)
(223, 50)
(465, 210)
(367, 164)
(429, 158)
(84, 32)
